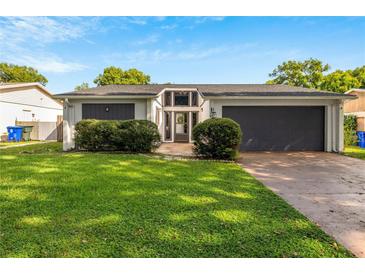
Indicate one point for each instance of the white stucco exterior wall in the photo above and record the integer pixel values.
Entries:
(27, 105)
(72, 113)
(333, 115)
(147, 109)
(156, 106)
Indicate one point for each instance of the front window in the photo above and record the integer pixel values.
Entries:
(181, 98)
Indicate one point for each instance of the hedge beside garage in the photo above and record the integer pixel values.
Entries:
(350, 125)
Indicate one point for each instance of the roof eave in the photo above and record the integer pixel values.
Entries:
(104, 96)
(296, 97)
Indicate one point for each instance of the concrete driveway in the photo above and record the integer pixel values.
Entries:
(327, 188)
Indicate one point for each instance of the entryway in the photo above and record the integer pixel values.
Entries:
(178, 125)
(182, 127)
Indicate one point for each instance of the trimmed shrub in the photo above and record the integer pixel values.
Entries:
(128, 136)
(136, 136)
(217, 138)
(349, 128)
(94, 134)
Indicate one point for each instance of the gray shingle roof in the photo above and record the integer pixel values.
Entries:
(205, 89)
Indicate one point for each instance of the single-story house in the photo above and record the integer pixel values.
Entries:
(272, 117)
(29, 104)
(357, 107)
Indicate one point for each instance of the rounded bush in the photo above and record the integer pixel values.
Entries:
(217, 138)
(136, 136)
(94, 134)
(128, 136)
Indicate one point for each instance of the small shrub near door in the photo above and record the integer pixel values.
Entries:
(217, 138)
(128, 136)
(349, 129)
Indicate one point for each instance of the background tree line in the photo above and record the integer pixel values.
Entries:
(311, 73)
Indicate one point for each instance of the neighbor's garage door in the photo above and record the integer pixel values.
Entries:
(279, 128)
(108, 111)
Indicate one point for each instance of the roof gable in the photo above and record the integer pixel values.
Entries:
(13, 87)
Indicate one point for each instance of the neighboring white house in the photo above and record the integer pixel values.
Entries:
(27, 102)
(272, 117)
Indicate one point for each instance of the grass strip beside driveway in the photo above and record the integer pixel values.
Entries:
(355, 152)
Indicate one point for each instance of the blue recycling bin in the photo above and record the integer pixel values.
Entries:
(361, 138)
(15, 133)
(361, 135)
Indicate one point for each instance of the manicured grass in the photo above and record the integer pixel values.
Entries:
(10, 144)
(55, 204)
(355, 152)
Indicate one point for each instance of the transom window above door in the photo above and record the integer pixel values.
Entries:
(180, 98)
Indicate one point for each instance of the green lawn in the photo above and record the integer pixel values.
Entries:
(355, 152)
(55, 204)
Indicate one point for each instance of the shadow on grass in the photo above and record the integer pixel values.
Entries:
(110, 205)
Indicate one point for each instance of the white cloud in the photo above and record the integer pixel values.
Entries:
(169, 27)
(47, 63)
(244, 51)
(158, 55)
(44, 30)
(137, 20)
(204, 19)
(24, 40)
(151, 39)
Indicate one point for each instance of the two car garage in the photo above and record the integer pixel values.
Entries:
(279, 128)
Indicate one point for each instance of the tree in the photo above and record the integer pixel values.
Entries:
(117, 76)
(81, 87)
(308, 73)
(340, 81)
(359, 74)
(10, 73)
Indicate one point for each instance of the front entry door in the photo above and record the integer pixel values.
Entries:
(181, 127)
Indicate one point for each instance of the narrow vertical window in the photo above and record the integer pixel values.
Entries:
(167, 98)
(158, 114)
(167, 126)
(194, 99)
(194, 119)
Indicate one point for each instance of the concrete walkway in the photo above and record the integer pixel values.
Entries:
(328, 188)
(176, 149)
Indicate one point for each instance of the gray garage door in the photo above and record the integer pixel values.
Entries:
(277, 128)
(108, 111)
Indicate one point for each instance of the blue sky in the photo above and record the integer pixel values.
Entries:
(70, 50)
